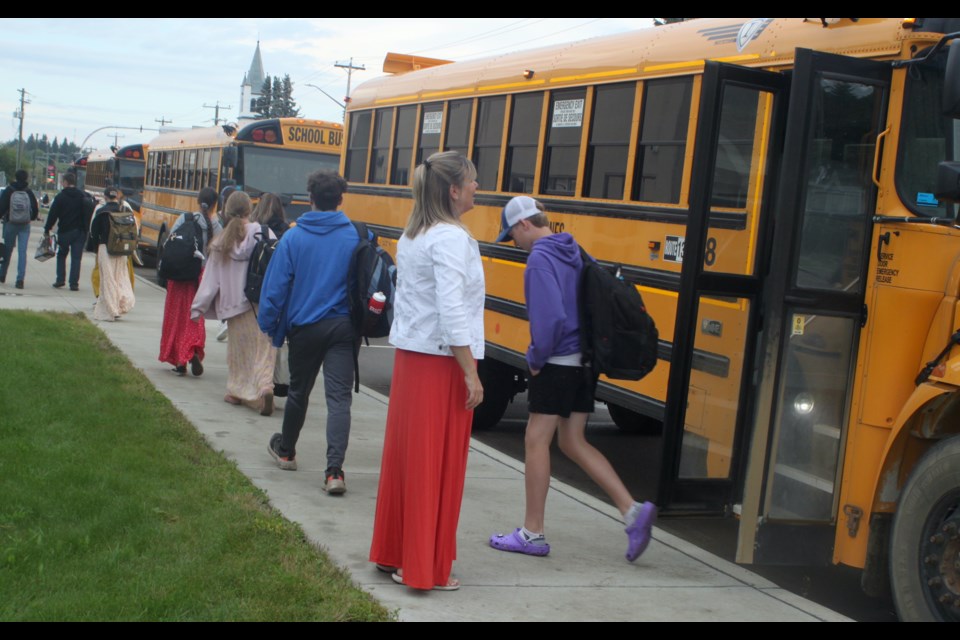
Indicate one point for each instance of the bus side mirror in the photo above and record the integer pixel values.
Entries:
(230, 157)
(948, 182)
(951, 82)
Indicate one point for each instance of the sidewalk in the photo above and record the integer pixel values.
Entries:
(584, 578)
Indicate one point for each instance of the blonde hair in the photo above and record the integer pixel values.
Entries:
(431, 191)
(236, 212)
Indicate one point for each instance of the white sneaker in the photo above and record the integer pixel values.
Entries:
(222, 333)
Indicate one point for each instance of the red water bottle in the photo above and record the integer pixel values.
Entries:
(374, 309)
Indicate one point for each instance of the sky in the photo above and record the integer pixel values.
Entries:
(84, 74)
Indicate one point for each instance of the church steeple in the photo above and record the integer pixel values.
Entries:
(251, 85)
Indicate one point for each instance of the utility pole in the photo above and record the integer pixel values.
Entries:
(216, 118)
(19, 114)
(116, 139)
(350, 67)
(163, 121)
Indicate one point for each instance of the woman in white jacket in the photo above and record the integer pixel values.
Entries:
(250, 355)
(438, 332)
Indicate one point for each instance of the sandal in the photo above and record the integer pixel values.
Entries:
(452, 584)
(266, 404)
(516, 543)
(234, 400)
(180, 370)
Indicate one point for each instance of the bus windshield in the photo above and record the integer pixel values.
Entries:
(928, 138)
(280, 171)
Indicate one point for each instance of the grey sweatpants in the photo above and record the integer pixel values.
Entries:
(327, 343)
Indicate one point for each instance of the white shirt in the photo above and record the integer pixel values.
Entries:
(440, 293)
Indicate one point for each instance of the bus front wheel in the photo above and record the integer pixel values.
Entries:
(925, 544)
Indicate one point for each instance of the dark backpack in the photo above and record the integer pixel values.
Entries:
(618, 338)
(257, 267)
(122, 237)
(181, 260)
(371, 271)
(20, 209)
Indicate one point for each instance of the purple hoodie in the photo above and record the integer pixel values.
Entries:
(550, 286)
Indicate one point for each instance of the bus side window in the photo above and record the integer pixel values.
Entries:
(663, 140)
(561, 153)
(383, 127)
(431, 127)
(356, 168)
(522, 143)
(403, 145)
(606, 168)
(735, 151)
(458, 126)
(486, 149)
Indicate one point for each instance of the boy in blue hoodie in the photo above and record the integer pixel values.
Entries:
(304, 298)
(560, 389)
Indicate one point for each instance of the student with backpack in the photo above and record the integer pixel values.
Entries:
(18, 208)
(71, 212)
(250, 356)
(113, 237)
(182, 339)
(304, 299)
(561, 388)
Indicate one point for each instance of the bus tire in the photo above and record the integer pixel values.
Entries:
(499, 387)
(633, 422)
(925, 543)
(161, 238)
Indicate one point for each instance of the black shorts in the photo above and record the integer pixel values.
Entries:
(559, 391)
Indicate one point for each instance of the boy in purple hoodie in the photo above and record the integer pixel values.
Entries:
(560, 388)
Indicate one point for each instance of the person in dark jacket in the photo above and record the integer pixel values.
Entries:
(71, 212)
(16, 233)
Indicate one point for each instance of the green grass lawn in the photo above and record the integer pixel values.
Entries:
(113, 507)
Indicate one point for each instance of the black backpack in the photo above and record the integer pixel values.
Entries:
(182, 259)
(371, 271)
(257, 267)
(618, 338)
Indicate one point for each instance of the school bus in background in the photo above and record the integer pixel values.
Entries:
(788, 388)
(266, 156)
(123, 169)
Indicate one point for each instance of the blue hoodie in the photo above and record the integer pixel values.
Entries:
(550, 286)
(307, 278)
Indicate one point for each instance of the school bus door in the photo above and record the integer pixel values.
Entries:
(726, 250)
(812, 308)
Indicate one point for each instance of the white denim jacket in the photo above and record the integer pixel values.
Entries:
(440, 293)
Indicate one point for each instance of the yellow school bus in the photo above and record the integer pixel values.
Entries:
(266, 156)
(123, 168)
(770, 186)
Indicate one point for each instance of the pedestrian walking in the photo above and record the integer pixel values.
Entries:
(560, 389)
(18, 208)
(182, 339)
(250, 356)
(71, 212)
(115, 290)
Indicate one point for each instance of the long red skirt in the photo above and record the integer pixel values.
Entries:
(423, 469)
(181, 337)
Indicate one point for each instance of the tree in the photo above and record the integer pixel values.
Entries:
(276, 99)
(262, 105)
(290, 108)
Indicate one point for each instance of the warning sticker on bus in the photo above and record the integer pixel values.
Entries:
(568, 113)
(673, 249)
